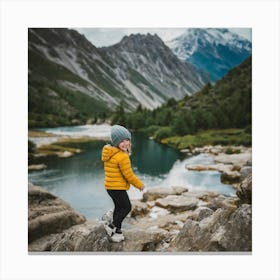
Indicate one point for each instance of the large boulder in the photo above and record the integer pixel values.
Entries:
(48, 214)
(223, 231)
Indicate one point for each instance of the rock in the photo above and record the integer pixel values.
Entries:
(34, 167)
(143, 240)
(230, 177)
(215, 150)
(139, 208)
(236, 167)
(92, 237)
(179, 190)
(234, 159)
(161, 218)
(185, 151)
(201, 167)
(210, 167)
(249, 162)
(65, 154)
(108, 217)
(48, 214)
(203, 196)
(245, 171)
(223, 231)
(177, 203)
(157, 212)
(201, 213)
(155, 193)
(244, 190)
(221, 201)
(238, 230)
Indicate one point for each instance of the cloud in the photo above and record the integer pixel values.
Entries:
(101, 37)
(244, 32)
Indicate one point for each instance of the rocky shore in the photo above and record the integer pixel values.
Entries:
(234, 163)
(167, 220)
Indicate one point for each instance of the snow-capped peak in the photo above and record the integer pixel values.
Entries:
(186, 44)
(213, 50)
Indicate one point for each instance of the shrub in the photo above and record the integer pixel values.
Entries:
(162, 133)
(150, 130)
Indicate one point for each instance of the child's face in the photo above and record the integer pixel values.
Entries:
(125, 145)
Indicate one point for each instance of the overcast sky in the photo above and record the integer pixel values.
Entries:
(101, 37)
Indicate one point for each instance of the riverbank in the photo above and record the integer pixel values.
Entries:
(168, 219)
(165, 220)
(234, 163)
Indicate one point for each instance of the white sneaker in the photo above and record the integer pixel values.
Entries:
(110, 231)
(117, 237)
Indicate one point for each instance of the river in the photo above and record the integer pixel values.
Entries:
(79, 179)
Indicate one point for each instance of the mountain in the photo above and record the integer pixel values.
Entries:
(70, 79)
(150, 70)
(212, 50)
(226, 104)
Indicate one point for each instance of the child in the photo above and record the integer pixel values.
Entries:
(118, 177)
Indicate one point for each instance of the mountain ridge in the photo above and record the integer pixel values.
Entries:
(158, 66)
(87, 82)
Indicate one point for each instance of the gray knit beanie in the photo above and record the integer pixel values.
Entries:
(118, 134)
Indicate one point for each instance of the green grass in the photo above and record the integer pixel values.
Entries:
(224, 137)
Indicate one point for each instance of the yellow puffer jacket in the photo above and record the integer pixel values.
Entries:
(118, 171)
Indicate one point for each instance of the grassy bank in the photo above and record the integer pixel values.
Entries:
(225, 137)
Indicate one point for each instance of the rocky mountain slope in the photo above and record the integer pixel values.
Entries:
(69, 78)
(151, 71)
(212, 50)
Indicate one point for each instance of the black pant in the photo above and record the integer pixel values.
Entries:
(122, 206)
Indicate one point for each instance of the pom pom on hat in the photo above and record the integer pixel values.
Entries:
(118, 134)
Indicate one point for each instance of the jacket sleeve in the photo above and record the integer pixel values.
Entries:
(131, 178)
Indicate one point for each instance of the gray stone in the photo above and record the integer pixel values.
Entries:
(139, 208)
(234, 159)
(92, 237)
(48, 214)
(244, 190)
(203, 212)
(245, 171)
(177, 203)
(155, 193)
(230, 177)
(222, 231)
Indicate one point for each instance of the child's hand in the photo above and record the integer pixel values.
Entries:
(142, 188)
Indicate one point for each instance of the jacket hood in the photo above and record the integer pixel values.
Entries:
(108, 151)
